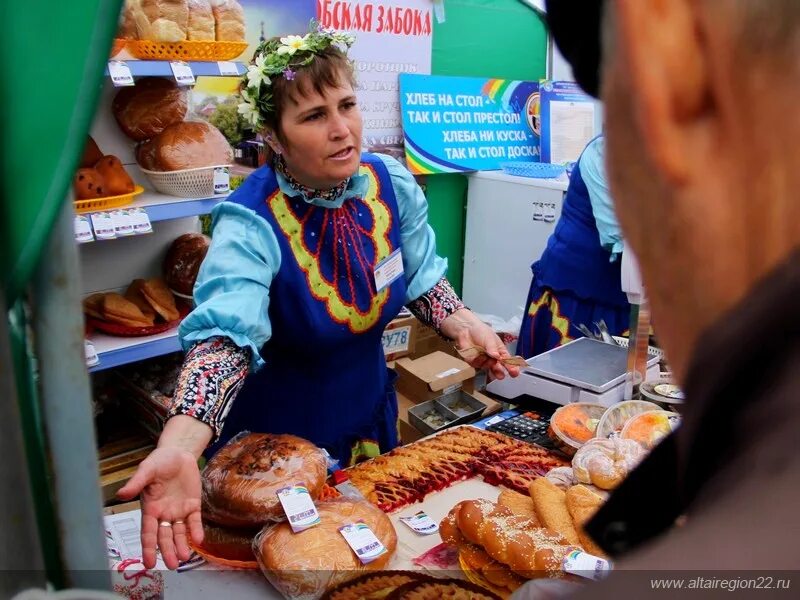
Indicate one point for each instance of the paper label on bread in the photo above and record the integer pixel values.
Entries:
(363, 542)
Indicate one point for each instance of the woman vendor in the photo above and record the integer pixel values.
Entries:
(578, 281)
(311, 257)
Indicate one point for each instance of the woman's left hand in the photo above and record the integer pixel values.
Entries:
(468, 331)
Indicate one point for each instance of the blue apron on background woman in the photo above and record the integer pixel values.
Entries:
(577, 280)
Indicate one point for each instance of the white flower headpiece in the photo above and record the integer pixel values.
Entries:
(281, 58)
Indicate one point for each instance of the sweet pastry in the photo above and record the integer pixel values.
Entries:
(88, 184)
(117, 181)
(606, 462)
(373, 586)
(407, 474)
(157, 294)
(91, 153)
(520, 505)
(229, 20)
(241, 480)
(452, 589)
(496, 574)
(582, 503)
(182, 262)
(190, 145)
(562, 477)
(551, 508)
(305, 564)
(93, 305)
(649, 428)
(134, 294)
(146, 109)
(226, 546)
(201, 21)
(116, 309)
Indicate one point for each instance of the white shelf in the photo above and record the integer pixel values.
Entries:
(115, 351)
(161, 207)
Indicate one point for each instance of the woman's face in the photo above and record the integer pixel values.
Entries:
(322, 136)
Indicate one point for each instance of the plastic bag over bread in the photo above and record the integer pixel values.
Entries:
(306, 564)
(229, 20)
(190, 145)
(241, 481)
(201, 21)
(148, 108)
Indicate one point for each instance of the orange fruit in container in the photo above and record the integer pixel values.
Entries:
(575, 424)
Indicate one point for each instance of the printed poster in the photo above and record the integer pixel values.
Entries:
(458, 124)
(392, 37)
(568, 118)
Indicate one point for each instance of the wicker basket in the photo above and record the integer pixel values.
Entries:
(186, 50)
(187, 183)
(109, 202)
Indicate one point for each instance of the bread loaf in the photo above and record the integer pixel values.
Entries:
(146, 109)
(305, 564)
(146, 155)
(183, 260)
(241, 481)
(164, 20)
(551, 508)
(582, 503)
(116, 179)
(190, 145)
(91, 153)
(229, 20)
(201, 21)
(88, 184)
(127, 23)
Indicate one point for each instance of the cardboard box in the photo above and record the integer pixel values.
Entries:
(408, 433)
(399, 337)
(431, 376)
(427, 342)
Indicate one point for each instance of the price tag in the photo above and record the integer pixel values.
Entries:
(222, 180)
(122, 224)
(83, 230)
(140, 220)
(103, 226)
(120, 73)
(396, 340)
(447, 373)
(586, 565)
(299, 507)
(227, 68)
(182, 72)
(388, 270)
(91, 354)
(421, 523)
(363, 542)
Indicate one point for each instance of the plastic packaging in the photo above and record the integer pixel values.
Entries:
(146, 109)
(575, 424)
(614, 419)
(182, 262)
(230, 548)
(241, 481)
(304, 565)
(606, 462)
(649, 428)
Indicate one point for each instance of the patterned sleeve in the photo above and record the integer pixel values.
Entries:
(434, 306)
(211, 376)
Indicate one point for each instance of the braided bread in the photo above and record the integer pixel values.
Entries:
(514, 541)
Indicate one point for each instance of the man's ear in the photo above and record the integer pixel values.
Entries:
(666, 55)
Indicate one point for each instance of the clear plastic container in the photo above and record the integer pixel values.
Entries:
(575, 424)
(615, 417)
(649, 428)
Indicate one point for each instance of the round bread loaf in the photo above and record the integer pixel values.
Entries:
(190, 145)
(144, 110)
(183, 260)
(241, 481)
(305, 564)
(114, 175)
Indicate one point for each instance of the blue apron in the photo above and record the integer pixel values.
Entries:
(325, 377)
(574, 282)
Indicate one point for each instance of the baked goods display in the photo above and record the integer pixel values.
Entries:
(185, 145)
(408, 474)
(146, 109)
(182, 262)
(145, 304)
(452, 589)
(605, 463)
(174, 21)
(241, 481)
(574, 424)
(306, 564)
(99, 175)
(582, 503)
(376, 585)
(227, 547)
(649, 428)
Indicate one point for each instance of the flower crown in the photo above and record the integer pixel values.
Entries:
(280, 58)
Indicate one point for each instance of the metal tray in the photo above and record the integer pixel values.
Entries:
(474, 407)
(417, 413)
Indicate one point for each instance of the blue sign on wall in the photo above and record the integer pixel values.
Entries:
(457, 124)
